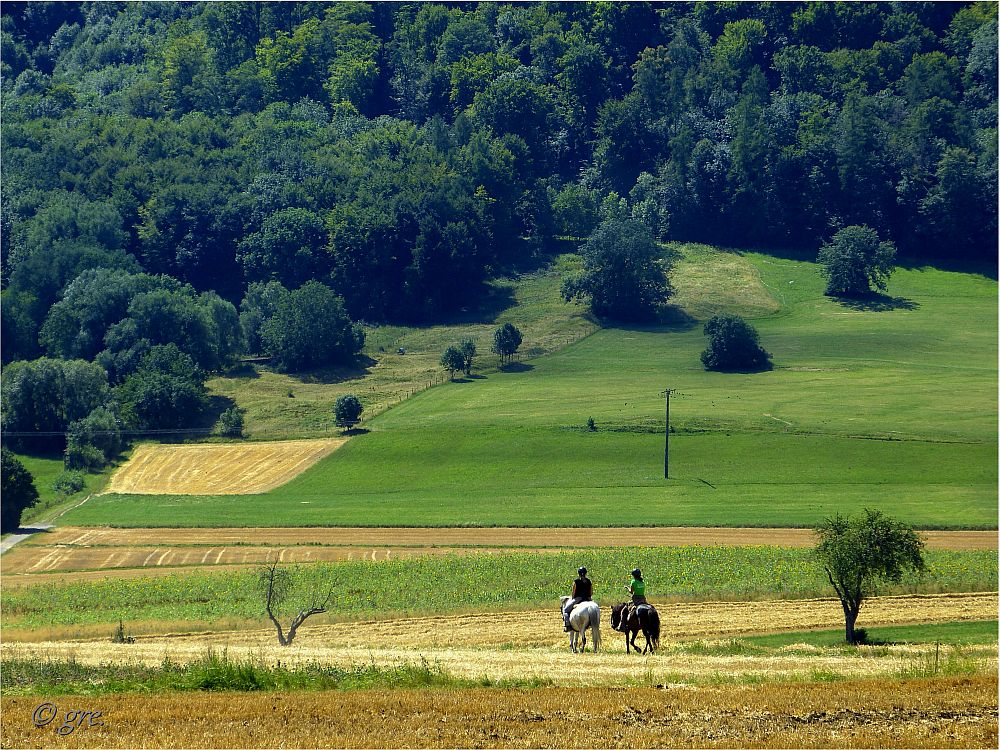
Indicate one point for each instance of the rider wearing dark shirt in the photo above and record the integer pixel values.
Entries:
(583, 590)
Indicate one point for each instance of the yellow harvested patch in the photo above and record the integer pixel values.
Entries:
(709, 281)
(231, 469)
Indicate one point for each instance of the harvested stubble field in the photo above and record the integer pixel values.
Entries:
(951, 712)
(531, 644)
(230, 469)
(21, 565)
(89, 553)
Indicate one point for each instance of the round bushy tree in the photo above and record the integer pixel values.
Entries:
(855, 262)
(733, 345)
(231, 422)
(623, 274)
(347, 410)
(452, 360)
(18, 491)
(310, 328)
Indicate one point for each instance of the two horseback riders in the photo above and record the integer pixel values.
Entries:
(581, 612)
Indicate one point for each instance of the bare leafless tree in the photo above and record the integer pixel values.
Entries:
(276, 584)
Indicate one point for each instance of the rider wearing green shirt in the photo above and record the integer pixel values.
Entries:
(637, 588)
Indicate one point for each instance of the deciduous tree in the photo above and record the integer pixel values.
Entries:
(855, 262)
(860, 552)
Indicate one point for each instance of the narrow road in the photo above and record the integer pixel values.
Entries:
(22, 533)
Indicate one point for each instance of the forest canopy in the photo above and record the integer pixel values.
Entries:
(401, 154)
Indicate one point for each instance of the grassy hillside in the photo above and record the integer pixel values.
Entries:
(281, 405)
(891, 406)
(45, 469)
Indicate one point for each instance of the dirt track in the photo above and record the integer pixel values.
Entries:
(480, 537)
(230, 469)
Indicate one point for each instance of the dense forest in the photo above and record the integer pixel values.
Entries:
(183, 183)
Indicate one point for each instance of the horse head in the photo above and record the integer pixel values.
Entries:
(616, 616)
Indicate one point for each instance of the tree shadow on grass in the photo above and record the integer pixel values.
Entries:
(517, 367)
(877, 303)
(352, 431)
(765, 367)
(243, 370)
(339, 373)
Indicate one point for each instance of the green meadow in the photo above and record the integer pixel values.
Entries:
(890, 405)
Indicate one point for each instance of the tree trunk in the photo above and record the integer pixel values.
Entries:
(850, 617)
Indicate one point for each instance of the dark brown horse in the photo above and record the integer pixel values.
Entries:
(645, 620)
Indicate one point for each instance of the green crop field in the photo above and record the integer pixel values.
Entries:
(469, 583)
(894, 408)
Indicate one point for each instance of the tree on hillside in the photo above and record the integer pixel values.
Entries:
(258, 306)
(855, 262)
(452, 360)
(347, 410)
(231, 422)
(93, 441)
(276, 585)
(46, 395)
(733, 345)
(623, 273)
(506, 341)
(859, 553)
(18, 491)
(468, 349)
(166, 391)
(310, 328)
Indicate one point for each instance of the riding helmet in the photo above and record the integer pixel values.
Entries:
(637, 573)
(582, 571)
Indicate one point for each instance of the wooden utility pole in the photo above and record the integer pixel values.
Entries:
(666, 436)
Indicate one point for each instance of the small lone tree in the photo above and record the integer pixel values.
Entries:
(506, 341)
(855, 262)
(231, 422)
(468, 349)
(347, 410)
(18, 491)
(453, 361)
(276, 584)
(733, 345)
(858, 553)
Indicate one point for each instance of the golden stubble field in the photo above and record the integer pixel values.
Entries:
(226, 469)
(949, 712)
(515, 645)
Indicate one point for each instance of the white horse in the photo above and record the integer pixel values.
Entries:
(584, 615)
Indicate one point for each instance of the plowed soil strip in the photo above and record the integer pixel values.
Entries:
(955, 712)
(237, 469)
(480, 537)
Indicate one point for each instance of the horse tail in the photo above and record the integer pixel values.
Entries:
(596, 627)
(654, 628)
